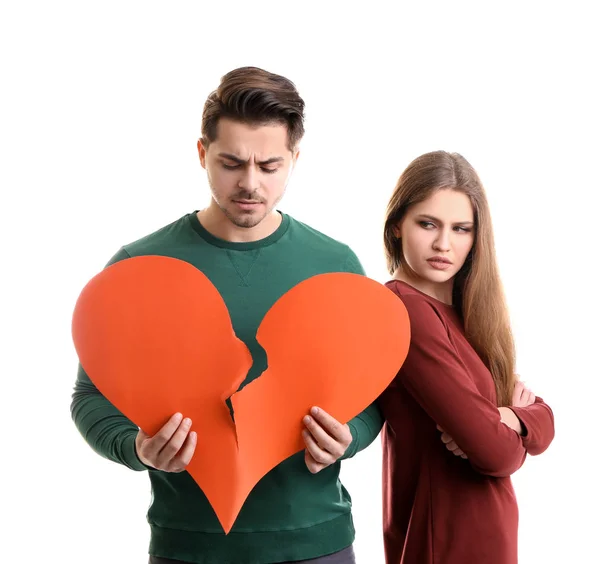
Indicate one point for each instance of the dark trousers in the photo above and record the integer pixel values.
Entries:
(345, 556)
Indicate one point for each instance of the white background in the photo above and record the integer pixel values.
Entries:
(100, 112)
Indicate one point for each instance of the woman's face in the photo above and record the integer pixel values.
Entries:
(437, 235)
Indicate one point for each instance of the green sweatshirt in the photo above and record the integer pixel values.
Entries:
(291, 514)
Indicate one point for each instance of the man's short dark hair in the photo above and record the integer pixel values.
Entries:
(256, 97)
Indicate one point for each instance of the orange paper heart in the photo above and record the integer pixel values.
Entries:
(155, 337)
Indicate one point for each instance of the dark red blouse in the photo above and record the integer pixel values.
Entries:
(440, 508)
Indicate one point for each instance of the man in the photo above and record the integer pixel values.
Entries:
(299, 512)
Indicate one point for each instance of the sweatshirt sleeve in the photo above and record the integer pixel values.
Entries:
(102, 426)
(436, 377)
(366, 425)
(364, 428)
(538, 426)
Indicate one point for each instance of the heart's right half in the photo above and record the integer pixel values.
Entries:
(334, 341)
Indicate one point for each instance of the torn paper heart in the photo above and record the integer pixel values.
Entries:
(155, 337)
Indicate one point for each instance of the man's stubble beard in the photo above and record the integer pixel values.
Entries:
(244, 220)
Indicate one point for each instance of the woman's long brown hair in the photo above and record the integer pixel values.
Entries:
(477, 294)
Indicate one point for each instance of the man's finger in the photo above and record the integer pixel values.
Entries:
(319, 455)
(155, 444)
(170, 450)
(322, 438)
(180, 462)
(336, 429)
(313, 466)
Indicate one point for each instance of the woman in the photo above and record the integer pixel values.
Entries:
(458, 421)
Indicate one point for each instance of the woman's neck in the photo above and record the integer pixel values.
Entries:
(441, 291)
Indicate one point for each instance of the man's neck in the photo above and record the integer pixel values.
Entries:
(219, 225)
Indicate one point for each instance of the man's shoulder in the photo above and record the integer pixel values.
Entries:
(156, 240)
(301, 229)
(325, 247)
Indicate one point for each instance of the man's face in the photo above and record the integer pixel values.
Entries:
(248, 169)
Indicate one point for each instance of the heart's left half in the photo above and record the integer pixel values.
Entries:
(155, 337)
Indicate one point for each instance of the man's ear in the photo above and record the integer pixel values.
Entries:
(202, 152)
(295, 154)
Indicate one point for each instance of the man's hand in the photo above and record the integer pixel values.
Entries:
(522, 396)
(450, 444)
(326, 440)
(172, 447)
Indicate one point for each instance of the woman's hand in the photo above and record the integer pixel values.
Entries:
(522, 396)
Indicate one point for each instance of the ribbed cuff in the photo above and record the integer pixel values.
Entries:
(130, 456)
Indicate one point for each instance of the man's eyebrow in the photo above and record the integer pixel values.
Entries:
(271, 161)
(235, 159)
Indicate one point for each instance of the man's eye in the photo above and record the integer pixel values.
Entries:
(231, 167)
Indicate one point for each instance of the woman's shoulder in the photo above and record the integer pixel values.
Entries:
(405, 291)
(419, 305)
